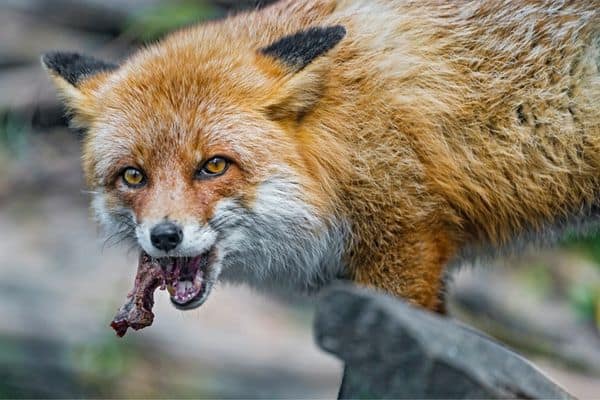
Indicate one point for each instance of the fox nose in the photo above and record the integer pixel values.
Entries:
(166, 236)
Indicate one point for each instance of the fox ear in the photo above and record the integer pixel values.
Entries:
(303, 79)
(76, 76)
(73, 67)
(301, 48)
(297, 96)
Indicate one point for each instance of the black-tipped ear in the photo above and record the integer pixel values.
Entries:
(300, 49)
(74, 67)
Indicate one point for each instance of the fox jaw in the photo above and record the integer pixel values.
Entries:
(211, 187)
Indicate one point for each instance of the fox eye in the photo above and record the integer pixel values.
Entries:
(133, 177)
(214, 167)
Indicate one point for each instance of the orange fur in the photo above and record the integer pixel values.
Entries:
(432, 128)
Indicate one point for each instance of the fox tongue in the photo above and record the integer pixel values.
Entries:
(186, 290)
(185, 279)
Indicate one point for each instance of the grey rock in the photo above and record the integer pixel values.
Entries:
(394, 350)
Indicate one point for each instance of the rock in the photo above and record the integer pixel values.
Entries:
(394, 350)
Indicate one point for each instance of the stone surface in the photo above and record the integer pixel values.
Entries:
(393, 350)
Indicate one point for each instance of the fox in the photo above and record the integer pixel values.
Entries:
(381, 142)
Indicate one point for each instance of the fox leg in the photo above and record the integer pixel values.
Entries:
(413, 269)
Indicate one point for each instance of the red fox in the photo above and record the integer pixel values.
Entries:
(380, 141)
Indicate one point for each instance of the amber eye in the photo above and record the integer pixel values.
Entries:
(133, 177)
(213, 167)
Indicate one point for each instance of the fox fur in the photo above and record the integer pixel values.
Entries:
(424, 134)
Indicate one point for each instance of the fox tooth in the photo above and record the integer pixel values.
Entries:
(171, 290)
(198, 278)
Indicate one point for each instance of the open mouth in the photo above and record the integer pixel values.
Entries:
(186, 279)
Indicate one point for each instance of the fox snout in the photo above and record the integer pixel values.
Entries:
(166, 236)
(175, 238)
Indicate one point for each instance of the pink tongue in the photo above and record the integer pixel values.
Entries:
(186, 291)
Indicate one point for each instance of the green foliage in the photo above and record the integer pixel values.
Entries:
(34, 368)
(107, 358)
(538, 279)
(589, 245)
(585, 297)
(586, 302)
(154, 22)
(14, 133)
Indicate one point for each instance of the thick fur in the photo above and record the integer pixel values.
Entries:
(431, 132)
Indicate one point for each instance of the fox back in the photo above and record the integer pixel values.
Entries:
(378, 141)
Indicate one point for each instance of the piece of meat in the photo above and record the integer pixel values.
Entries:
(137, 312)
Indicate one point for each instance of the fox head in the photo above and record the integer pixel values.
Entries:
(197, 152)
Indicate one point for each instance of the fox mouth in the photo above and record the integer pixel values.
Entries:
(186, 279)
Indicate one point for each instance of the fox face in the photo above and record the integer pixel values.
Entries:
(190, 157)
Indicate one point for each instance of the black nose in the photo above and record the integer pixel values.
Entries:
(166, 236)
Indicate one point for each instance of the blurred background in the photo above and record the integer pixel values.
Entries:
(60, 287)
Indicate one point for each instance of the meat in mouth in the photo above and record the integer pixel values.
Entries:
(184, 277)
